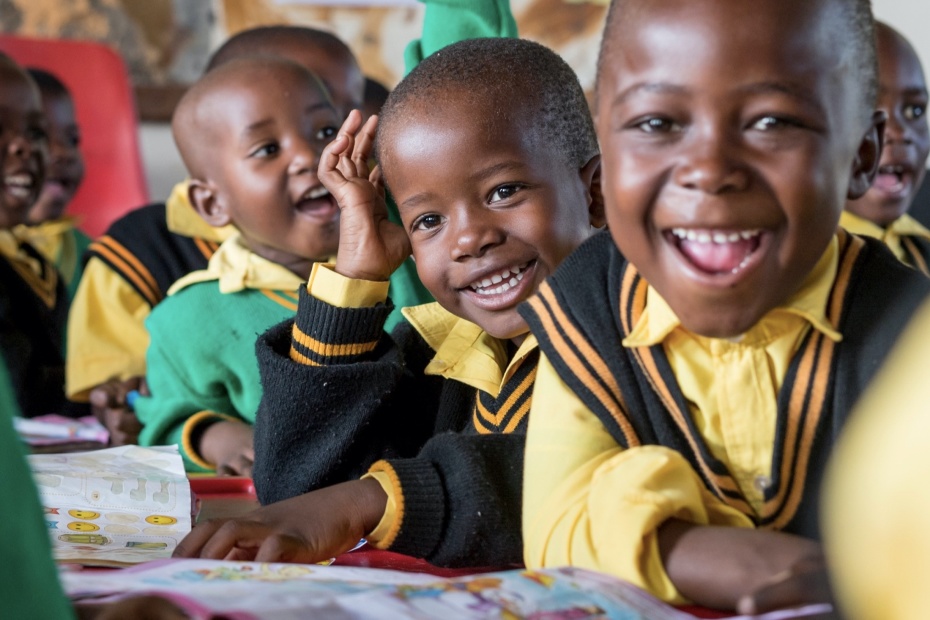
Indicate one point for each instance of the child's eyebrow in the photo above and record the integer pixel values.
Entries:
(785, 88)
(666, 88)
(909, 91)
(662, 88)
(482, 175)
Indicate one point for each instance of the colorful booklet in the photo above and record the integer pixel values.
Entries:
(114, 507)
(250, 590)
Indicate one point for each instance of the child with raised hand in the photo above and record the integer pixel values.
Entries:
(494, 191)
(47, 228)
(251, 133)
(699, 361)
(882, 211)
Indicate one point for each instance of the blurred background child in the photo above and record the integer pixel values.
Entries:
(250, 132)
(48, 229)
(33, 302)
(902, 96)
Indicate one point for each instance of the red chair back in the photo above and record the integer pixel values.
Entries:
(99, 82)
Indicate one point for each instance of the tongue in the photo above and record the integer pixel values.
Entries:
(888, 182)
(717, 257)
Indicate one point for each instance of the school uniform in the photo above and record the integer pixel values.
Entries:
(637, 420)
(62, 243)
(436, 412)
(128, 272)
(201, 365)
(907, 238)
(33, 313)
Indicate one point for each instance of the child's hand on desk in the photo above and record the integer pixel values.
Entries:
(308, 528)
(109, 404)
(144, 607)
(371, 247)
(228, 445)
(806, 582)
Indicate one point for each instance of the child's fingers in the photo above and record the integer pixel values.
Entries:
(243, 535)
(327, 169)
(283, 548)
(364, 143)
(192, 544)
(377, 179)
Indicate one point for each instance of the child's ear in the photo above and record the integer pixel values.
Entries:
(591, 177)
(203, 197)
(865, 166)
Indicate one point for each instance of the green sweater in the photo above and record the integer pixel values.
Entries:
(29, 588)
(202, 358)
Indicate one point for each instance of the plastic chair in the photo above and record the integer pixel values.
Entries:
(99, 82)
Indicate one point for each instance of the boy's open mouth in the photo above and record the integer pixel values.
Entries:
(714, 251)
(20, 185)
(894, 179)
(501, 282)
(318, 203)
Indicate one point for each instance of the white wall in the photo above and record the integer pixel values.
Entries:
(912, 19)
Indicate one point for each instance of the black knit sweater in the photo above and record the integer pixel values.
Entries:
(583, 312)
(359, 395)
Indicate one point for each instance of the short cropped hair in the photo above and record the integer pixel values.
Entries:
(504, 72)
(48, 83)
(860, 31)
(259, 40)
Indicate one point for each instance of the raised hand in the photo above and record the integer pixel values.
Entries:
(308, 528)
(371, 247)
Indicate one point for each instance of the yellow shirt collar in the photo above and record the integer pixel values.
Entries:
(237, 268)
(46, 236)
(183, 220)
(464, 351)
(904, 226)
(658, 319)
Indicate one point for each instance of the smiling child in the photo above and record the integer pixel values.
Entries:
(698, 362)
(47, 228)
(33, 303)
(882, 211)
(251, 133)
(494, 191)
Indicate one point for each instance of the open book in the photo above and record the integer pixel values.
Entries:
(114, 507)
(246, 590)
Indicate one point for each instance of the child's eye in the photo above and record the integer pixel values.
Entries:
(327, 133)
(914, 111)
(266, 150)
(427, 221)
(771, 123)
(504, 192)
(74, 140)
(657, 124)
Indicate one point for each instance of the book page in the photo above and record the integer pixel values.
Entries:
(114, 507)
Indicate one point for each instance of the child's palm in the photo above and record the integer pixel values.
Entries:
(371, 247)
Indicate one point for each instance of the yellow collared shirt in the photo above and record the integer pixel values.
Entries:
(580, 483)
(106, 324)
(904, 226)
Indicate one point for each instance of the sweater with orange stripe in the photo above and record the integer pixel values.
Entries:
(872, 298)
(340, 394)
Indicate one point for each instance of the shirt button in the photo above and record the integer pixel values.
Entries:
(762, 483)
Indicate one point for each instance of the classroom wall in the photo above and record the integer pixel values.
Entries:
(912, 18)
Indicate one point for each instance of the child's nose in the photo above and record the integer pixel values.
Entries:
(20, 145)
(305, 159)
(474, 234)
(897, 130)
(709, 164)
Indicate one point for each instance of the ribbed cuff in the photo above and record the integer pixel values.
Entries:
(323, 334)
(422, 495)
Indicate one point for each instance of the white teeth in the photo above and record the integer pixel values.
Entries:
(506, 278)
(316, 192)
(713, 237)
(19, 180)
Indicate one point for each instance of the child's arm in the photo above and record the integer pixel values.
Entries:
(308, 528)
(587, 502)
(188, 381)
(339, 393)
